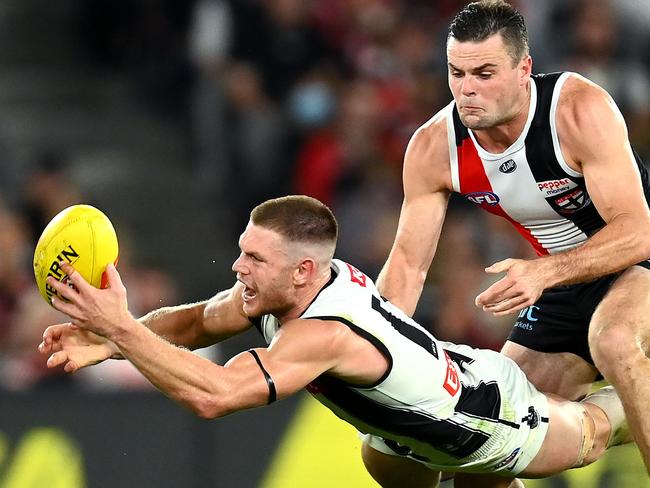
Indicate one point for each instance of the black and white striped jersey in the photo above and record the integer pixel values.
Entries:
(446, 405)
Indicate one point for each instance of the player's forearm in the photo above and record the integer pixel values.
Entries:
(401, 283)
(187, 378)
(622, 243)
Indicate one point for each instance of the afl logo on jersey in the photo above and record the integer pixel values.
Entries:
(483, 197)
(508, 167)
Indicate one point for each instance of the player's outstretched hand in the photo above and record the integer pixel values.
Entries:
(104, 312)
(75, 348)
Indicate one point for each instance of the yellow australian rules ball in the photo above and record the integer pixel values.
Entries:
(81, 235)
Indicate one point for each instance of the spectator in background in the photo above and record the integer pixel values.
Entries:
(597, 50)
(256, 140)
(209, 41)
(47, 190)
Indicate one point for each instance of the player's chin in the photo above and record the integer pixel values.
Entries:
(252, 310)
(473, 122)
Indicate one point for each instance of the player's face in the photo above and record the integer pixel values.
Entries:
(264, 267)
(488, 88)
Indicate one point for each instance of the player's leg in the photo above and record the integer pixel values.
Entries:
(579, 433)
(550, 324)
(396, 471)
(562, 373)
(619, 338)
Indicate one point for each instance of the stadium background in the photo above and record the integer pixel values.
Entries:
(175, 117)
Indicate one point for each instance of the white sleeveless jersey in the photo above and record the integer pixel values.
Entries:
(450, 407)
(529, 184)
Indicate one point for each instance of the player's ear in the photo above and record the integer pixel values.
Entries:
(525, 69)
(304, 271)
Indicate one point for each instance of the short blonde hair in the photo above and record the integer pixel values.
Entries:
(298, 218)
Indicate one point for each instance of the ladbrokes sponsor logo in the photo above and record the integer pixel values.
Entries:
(553, 187)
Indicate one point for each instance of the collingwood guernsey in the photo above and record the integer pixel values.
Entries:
(448, 406)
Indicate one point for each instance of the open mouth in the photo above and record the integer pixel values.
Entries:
(248, 294)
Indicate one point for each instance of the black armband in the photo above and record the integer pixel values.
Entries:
(267, 377)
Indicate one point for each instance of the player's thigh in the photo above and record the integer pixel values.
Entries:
(624, 312)
(563, 373)
(399, 472)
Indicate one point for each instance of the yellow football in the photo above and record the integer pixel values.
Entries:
(80, 235)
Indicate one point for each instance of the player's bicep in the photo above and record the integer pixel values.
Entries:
(597, 140)
(224, 316)
(300, 352)
(427, 182)
(614, 185)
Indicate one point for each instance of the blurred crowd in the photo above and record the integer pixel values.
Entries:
(317, 97)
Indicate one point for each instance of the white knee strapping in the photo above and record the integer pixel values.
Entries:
(588, 430)
(607, 399)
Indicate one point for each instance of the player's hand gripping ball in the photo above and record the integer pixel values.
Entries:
(82, 236)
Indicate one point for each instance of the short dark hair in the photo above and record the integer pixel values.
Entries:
(480, 20)
(298, 218)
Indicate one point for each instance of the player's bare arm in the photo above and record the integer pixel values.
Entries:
(193, 326)
(594, 141)
(300, 352)
(427, 186)
(201, 324)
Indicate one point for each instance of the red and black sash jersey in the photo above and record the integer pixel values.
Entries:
(530, 183)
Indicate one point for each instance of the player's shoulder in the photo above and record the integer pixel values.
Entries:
(580, 95)
(429, 146)
(584, 107)
(322, 333)
(433, 134)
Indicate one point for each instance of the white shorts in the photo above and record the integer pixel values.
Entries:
(522, 427)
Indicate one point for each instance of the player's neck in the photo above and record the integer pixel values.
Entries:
(500, 137)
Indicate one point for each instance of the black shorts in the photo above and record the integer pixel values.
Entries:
(559, 320)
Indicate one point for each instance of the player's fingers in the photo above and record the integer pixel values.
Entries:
(114, 278)
(74, 277)
(507, 306)
(496, 293)
(500, 266)
(70, 367)
(70, 309)
(53, 333)
(57, 359)
(63, 289)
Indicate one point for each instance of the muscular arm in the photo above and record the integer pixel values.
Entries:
(302, 350)
(594, 141)
(427, 184)
(200, 324)
(193, 326)
(593, 137)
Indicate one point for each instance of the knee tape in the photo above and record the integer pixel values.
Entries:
(588, 430)
(608, 401)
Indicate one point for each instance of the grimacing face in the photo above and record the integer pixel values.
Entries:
(264, 267)
(487, 88)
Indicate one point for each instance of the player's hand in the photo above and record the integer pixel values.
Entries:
(519, 288)
(104, 312)
(75, 348)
